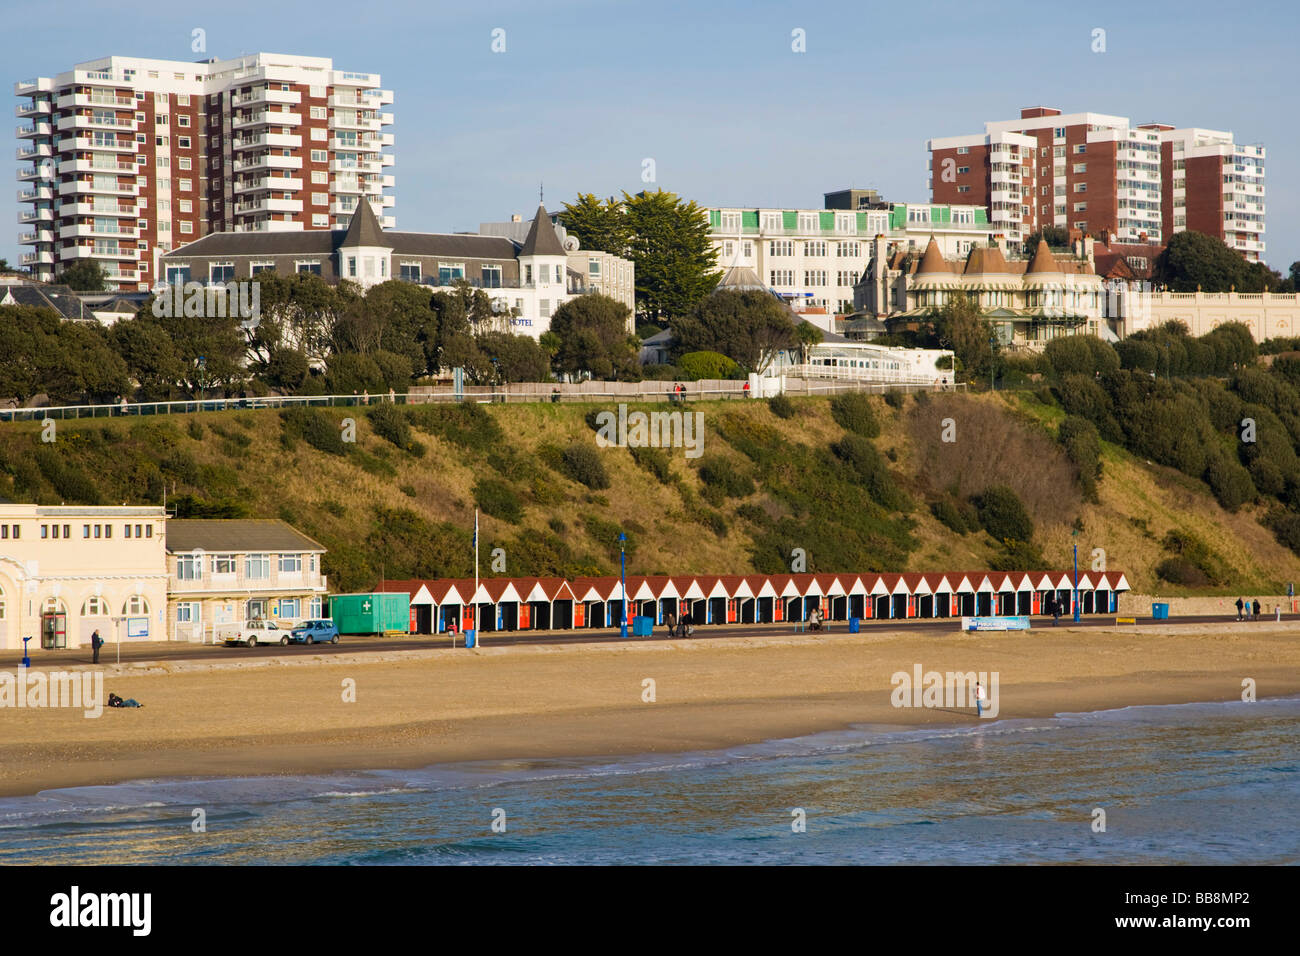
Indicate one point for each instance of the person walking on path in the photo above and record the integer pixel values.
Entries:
(746, 389)
(1257, 609)
(672, 624)
(1240, 604)
(96, 642)
(979, 699)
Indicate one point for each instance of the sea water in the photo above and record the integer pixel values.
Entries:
(1189, 783)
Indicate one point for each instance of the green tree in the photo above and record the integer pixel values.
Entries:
(298, 312)
(598, 224)
(749, 326)
(707, 365)
(515, 358)
(1193, 260)
(84, 275)
(1056, 236)
(675, 259)
(69, 361)
(593, 339)
(151, 358)
(211, 349)
(960, 326)
(808, 335)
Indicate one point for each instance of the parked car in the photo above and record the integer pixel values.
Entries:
(259, 631)
(313, 632)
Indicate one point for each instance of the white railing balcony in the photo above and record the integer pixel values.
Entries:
(101, 252)
(40, 257)
(273, 140)
(103, 144)
(94, 122)
(35, 129)
(72, 100)
(292, 97)
(103, 189)
(388, 201)
(268, 205)
(269, 161)
(267, 118)
(37, 108)
(97, 166)
(36, 215)
(97, 209)
(91, 231)
(387, 181)
(36, 193)
(29, 174)
(31, 153)
(387, 159)
(358, 166)
(279, 183)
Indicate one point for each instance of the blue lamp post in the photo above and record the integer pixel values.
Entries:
(622, 561)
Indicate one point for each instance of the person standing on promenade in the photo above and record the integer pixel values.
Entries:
(1240, 604)
(96, 642)
(746, 389)
(979, 699)
(1257, 609)
(672, 624)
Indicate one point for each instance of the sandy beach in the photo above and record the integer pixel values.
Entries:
(272, 715)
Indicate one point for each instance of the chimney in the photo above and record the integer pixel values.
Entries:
(1088, 244)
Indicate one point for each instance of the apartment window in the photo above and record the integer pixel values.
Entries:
(814, 277)
(782, 277)
(189, 567)
(186, 185)
(352, 267)
(257, 567)
(1081, 207)
(164, 162)
(183, 121)
(963, 189)
(1081, 224)
(730, 221)
(290, 563)
(256, 267)
(1058, 152)
(186, 205)
(963, 150)
(139, 117)
(221, 272)
(848, 250)
(491, 276)
(409, 271)
(184, 162)
(223, 564)
(544, 308)
(308, 267)
(142, 224)
(319, 132)
(320, 199)
(815, 249)
(188, 612)
(319, 177)
(96, 531)
(963, 169)
(135, 606)
(319, 113)
(45, 531)
(182, 142)
(772, 221)
(1060, 132)
(319, 156)
(320, 220)
(780, 247)
(1081, 148)
(1080, 187)
(1080, 167)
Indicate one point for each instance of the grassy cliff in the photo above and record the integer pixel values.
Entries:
(856, 484)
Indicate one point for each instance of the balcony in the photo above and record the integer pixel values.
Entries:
(37, 108)
(34, 152)
(104, 144)
(69, 101)
(359, 166)
(97, 209)
(267, 118)
(386, 159)
(77, 187)
(97, 166)
(36, 194)
(36, 215)
(268, 205)
(43, 257)
(41, 236)
(101, 252)
(268, 182)
(30, 174)
(268, 161)
(292, 97)
(90, 231)
(35, 129)
(95, 122)
(273, 140)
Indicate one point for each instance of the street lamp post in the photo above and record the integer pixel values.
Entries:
(1076, 576)
(622, 561)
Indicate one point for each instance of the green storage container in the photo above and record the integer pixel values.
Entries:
(370, 613)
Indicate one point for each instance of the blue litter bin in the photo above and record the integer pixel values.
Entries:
(855, 625)
(642, 626)
(1160, 612)
(471, 638)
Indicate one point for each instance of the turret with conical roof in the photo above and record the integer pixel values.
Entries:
(542, 239)
(364, 229)
(932, 261)
(1043, 262)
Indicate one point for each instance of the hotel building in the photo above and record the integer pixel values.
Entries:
(814, 257)
(126, 158)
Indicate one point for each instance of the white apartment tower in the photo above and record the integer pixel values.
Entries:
(126, 158)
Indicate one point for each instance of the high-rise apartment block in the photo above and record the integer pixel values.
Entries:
(127, 158)
(1101, 175)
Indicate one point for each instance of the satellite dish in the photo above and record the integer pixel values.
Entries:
(570, 243)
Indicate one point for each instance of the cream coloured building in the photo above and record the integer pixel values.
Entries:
(67, 571)
(224, 572)
(1268, 315)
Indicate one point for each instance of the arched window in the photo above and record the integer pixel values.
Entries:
(136, 605)
(53, 605)
(94, 607)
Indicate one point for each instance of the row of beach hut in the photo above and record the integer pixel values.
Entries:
(520, 604)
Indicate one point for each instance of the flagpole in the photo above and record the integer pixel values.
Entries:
(478, 629)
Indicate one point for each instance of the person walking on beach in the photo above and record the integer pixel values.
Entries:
(979, 699)
(672, 624)
(1240, 604)
(1257, 609)
(96, 642)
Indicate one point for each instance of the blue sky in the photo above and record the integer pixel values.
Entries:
(713, 92)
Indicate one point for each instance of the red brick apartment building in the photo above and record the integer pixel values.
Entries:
(129, 158)
(1100, 174)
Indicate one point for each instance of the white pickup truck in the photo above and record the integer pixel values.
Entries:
(257, 632)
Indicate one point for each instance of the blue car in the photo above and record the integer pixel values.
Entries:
(315, 632)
